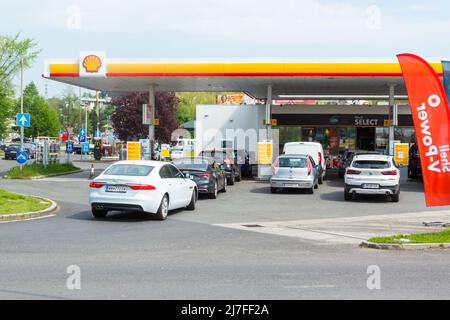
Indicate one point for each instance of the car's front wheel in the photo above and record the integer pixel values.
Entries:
(191, 205)
(163, 209)
(99, 213)
(231, 179)
(213, 195)
(224, 189)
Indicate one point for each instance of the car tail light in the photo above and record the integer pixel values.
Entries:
(320, 158)
(389, 173)
(203, 175)
(136, 186)
(351, 171)
(274, 165)
(310, 167)
(96, 185)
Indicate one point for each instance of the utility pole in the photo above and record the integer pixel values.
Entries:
(21, 104)
(98, 111)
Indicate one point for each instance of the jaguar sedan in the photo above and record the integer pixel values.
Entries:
(153, 187)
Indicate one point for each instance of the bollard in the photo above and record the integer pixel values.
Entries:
(91, 172)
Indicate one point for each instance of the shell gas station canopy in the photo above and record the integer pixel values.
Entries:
(92, 70)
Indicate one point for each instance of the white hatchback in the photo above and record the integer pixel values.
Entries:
(372, 174)
(146, 186)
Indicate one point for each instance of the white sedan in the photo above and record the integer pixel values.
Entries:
(146, 186)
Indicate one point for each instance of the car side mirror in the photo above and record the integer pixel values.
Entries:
(186, 175)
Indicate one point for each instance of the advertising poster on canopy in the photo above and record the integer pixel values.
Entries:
(430, 112)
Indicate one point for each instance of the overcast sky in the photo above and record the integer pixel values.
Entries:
(228, 29)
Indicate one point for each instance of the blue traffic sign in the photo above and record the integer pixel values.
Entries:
(21, 157)
(81, 132)
(85, 148)
(82, 138)
(23, 120)
(69, 147)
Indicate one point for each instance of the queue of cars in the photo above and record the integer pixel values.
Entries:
(156, 187)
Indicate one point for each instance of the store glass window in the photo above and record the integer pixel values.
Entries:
(382, 140)
(405, 135)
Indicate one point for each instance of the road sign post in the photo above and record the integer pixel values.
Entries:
(69, 150)
(22, 120)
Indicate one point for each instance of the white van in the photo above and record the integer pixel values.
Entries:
(183, 148)
(313, 149)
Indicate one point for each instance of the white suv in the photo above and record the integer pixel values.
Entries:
(372, 174)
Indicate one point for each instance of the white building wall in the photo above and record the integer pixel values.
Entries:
(217, 122)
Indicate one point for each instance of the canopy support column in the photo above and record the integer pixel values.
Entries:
(269, 112)
(393, 118)
(151, 126)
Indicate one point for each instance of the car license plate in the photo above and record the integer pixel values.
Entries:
(116, 189)
(291, 185)
(370, 186)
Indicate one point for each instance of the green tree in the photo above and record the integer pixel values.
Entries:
(44, 120)
(6, 104)
(188, 101)
(14, 54)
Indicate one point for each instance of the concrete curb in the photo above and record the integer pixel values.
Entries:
(404, 246)
(45, 176)
(30, 215)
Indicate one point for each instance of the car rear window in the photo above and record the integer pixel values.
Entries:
(129, 170)
(292, 163)
(191, 165)
(218, 156)
(371, 164)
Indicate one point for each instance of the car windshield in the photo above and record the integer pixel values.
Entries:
(371, 164)
(190, 165)
(14, 147)
(218, 156)
(129, 170)
(292, 163)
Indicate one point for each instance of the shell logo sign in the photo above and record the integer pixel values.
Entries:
(92, 64)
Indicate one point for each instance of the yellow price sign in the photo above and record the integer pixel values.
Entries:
(264, 153)
(133, 150)
(165, 153)
(401, 153)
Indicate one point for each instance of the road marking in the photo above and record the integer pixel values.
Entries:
(347, 230)
(312, 286)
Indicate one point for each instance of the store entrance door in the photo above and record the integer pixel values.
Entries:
(365, 138)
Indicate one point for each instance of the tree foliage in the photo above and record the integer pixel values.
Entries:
(188, 102)
(14, 53)
(44, 120)
(127, 118)
(6, 103)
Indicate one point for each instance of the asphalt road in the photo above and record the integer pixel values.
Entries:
(129, 256)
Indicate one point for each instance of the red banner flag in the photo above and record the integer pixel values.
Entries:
(431, 117)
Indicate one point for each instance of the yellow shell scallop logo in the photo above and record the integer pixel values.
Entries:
(92, 63)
